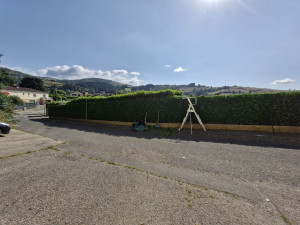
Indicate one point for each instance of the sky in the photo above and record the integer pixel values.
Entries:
(251, 43)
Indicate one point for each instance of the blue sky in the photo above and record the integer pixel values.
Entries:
(252, 43)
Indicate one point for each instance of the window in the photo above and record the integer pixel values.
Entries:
(44, 96)
(34, 95)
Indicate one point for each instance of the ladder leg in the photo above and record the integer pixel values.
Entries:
(184, 120)
(200, 121)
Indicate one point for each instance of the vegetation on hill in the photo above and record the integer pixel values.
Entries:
(32, 82)
(16, 75)
(5, 79)
(202, 90)
(93, 85)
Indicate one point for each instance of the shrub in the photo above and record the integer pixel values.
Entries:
(7, 104)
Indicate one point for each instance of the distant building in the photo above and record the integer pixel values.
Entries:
(101, 93)
(28, 95)
(76, 94)
(50, 79)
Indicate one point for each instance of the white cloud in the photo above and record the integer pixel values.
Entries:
(125, 80)
(135, 73)
(284, 81)
(179, 69)
(167, 66)
(120, 72)
(79, 72)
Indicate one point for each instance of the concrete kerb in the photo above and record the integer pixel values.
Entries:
(231, 127)
(20, 142)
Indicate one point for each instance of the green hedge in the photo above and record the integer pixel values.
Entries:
(281, 108)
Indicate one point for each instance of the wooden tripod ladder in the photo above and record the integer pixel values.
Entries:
(189, 111)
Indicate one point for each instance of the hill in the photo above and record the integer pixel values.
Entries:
(198, 90)
(18, 76)
(92, 85)
(98, 85)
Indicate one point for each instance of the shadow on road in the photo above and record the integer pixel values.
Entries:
(291, 141)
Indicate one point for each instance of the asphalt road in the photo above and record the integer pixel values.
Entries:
(100, 174)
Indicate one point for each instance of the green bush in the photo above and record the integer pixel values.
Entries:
(7, 104)
(260, 109)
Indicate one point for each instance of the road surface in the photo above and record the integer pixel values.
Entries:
(100, 174)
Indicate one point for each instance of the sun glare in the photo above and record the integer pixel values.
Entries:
(214, 2)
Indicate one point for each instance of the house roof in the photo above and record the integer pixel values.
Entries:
(21, 89)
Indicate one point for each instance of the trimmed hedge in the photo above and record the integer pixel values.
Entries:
(282, 108)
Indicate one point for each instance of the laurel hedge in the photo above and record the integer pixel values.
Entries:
(282, 108)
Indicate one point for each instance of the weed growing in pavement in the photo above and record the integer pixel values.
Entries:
(52, 148)
(285, 219)
(188, 200)
(17, 154)
(100, 160)
(28, 152)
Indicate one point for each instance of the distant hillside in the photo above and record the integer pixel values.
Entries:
(198, 90)
(18, 76)
(92, 85)
(97, 85)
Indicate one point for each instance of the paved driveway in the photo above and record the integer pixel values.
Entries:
(103, 174)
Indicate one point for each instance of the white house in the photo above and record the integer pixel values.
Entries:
(76, 94)
(28, 95)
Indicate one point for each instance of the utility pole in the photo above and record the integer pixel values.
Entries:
(86, 115)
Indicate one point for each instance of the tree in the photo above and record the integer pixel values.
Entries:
(59, 95)
(5, 79)
(32, 82)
